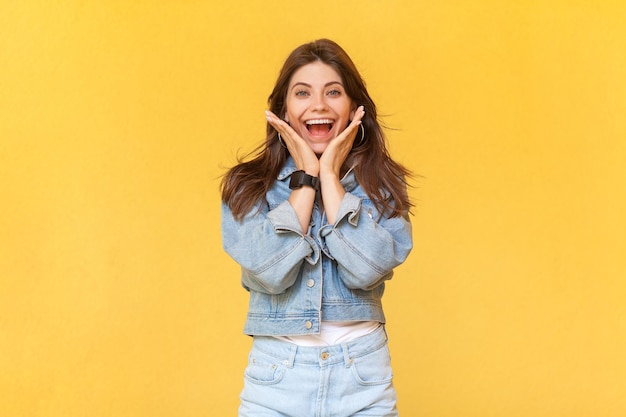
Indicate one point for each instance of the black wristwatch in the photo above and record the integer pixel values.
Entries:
(301, 178)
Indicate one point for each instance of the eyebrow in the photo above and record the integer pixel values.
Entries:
(309, 85)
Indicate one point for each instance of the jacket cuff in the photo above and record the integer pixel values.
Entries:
(284, 218)
(350, 207)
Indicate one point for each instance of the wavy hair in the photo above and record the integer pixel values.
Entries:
(384, 180)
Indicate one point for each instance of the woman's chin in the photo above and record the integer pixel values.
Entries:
(319, 148)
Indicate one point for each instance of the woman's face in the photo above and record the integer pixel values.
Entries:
(318, 108)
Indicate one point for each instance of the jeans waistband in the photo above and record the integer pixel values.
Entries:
(290, 354)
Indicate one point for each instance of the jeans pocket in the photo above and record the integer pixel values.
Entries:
(373, 368)
(263, 370)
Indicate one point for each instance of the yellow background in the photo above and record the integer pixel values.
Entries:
(118, 117)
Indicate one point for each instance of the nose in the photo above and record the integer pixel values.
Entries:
(318, 102)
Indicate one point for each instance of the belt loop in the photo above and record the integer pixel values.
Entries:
(346, 355)
(292, 356)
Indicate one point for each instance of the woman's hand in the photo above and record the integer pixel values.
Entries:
(302, 198)
(300, 151)
(338, 149)
(330, 166)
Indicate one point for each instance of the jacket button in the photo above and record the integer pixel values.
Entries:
(308, 325)
(310, 283)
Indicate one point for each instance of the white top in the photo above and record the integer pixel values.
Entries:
(333, 333)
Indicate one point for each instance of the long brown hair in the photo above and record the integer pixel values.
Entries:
(383, 179)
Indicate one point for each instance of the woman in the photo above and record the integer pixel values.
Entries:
(317, 219)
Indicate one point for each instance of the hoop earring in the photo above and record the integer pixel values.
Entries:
(280, 139)
(362, 129)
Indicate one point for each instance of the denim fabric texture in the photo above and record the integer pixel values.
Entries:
(347, 380)
(334, 272)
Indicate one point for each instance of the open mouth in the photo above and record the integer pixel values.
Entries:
(319, 127)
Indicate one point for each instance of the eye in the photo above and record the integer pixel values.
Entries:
(301, 93)
(334, 92)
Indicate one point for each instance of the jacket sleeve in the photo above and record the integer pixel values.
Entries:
(365, 245)
(269, 247)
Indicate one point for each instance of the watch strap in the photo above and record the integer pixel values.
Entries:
(300, 178)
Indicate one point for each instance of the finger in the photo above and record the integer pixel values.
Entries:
(281, 126)
(358, 115)
(350, 131)
(275, 121)
(355, 122)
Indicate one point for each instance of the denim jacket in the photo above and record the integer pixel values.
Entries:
(334, 272)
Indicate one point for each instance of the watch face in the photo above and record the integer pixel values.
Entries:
(296, 180)
(301, 178)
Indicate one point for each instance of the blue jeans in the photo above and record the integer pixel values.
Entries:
(351, 379)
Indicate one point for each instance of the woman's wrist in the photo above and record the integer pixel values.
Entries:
(327, 176)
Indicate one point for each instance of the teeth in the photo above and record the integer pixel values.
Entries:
(319, 122)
